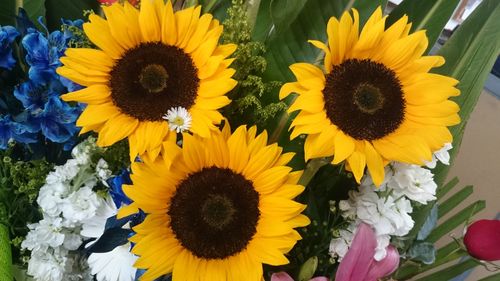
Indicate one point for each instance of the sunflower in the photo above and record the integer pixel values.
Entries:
(148, 62)
(375, 101)
(222, 210)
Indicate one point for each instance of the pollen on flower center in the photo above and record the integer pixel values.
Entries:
(178, 121)
(154, 78)
(218, 211)
(368, 98)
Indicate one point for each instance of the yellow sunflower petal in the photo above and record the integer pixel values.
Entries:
(148, 22)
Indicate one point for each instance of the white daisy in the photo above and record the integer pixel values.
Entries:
(178, 118)
(115, 265)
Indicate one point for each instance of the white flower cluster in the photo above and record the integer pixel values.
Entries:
(72, 212)
(387, 208)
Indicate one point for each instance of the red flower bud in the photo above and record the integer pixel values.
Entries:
(482, 240)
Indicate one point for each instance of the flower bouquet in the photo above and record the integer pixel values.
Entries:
(239, 140)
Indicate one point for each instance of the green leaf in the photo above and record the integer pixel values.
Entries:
(444, 189)
(35, 9)
(456, 220)
(284, 11)
(69, 10)
(8, 12)
(450, 272)
(470, 54)
(431, 15)
(455, 200)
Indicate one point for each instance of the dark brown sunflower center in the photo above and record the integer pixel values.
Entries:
(364, 99)
(151, 78)
(214, 213)
(154, 78)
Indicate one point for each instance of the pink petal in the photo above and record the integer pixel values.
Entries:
(385, 267)
(355, 264)
(482, 240)
(281, 276)
(321, 278)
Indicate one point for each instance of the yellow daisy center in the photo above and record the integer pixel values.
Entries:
(178, 121)
(221, 204)
(364, 99)
(151, 78)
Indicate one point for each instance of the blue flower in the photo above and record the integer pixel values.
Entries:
(43, 55)
(57, 120)
(116, 190)
(11, 130)
(7, 35)
(33, 96)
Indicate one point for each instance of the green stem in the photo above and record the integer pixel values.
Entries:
(312, 168)
(190, 3)
(5, 254)
(207, 8)
(281, 124)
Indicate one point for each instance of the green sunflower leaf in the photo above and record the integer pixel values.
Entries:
(69, 10)
(431, 15)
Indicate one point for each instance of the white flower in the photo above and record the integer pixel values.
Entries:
(51, 197)
(442, 155)
(94, 227)
(115, 265)
(339, 246)
(102, 171)
(387, 215)
(381, 249)
(48, 265)
(46, 233)
(64, 173)
(81, 205)
(72, 241)
(414, 182)
(179, 119)
(81, 152)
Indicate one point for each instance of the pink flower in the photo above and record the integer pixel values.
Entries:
(359, 264)
(482, 240)
(283, 276)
